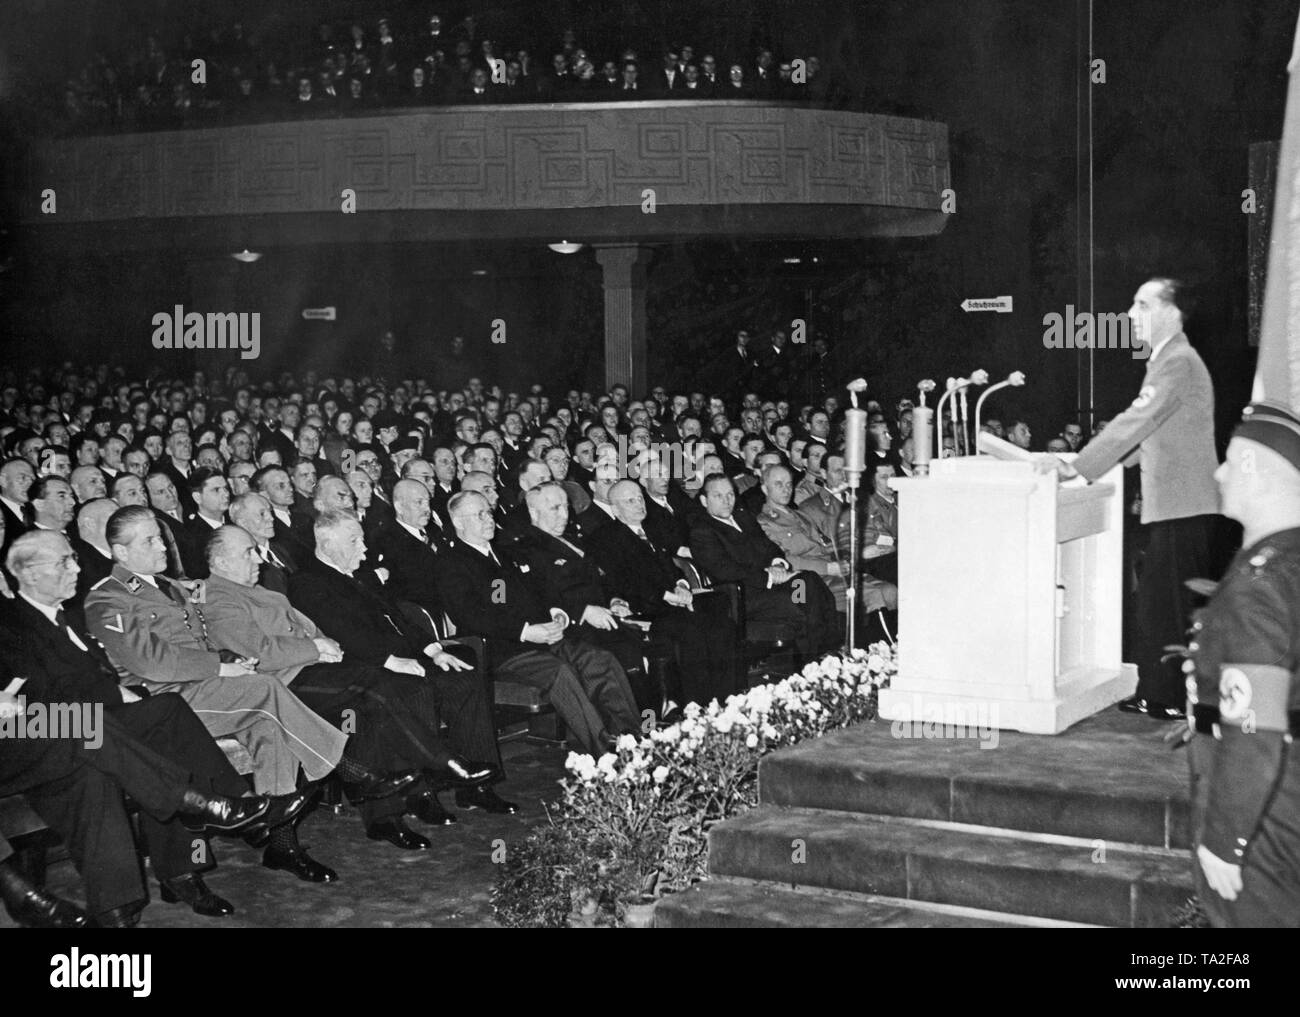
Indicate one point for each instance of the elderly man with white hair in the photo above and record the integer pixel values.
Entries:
(490, 595)
(395, 715)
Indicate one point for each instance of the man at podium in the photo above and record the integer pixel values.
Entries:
(1169, 430)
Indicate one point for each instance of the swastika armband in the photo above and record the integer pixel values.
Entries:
(1254, 696)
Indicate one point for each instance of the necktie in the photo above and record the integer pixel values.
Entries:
(424, 535)
(61, 620)
(269, 557)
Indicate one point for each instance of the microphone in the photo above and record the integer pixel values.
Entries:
(977, 377)
(855, 435)
(1015, 379)
(922, 430)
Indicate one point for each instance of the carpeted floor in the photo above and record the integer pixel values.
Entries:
(379, 885)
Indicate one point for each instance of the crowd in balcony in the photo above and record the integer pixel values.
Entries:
(358, 67)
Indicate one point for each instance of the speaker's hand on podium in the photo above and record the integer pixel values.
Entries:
(1048, 463)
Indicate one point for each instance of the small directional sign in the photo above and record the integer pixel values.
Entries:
(321, 313)
(1000, 304)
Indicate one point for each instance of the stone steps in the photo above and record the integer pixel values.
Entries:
(954, 866)
(728, 904)
(1112, 778)
(865, 827)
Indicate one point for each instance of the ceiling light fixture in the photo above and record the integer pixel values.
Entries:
(246, 256)
(566, 247)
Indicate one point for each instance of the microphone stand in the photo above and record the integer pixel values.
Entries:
(1015, 378)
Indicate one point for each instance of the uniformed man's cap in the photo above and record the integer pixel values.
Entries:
(1274, 426)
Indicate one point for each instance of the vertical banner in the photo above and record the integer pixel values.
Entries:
(1277, 377)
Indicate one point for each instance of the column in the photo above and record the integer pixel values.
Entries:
(624, 276)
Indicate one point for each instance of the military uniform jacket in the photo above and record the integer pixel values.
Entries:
(803, 544)
(1245, 653)
(1169, 428)
(260, 623)
(147, 633)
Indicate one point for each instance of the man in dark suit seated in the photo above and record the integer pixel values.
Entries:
(489, 596)
(667, 512)
(436, 524)
(642, 572)
(731, 547)
(211, 496)
(405, 548)
(63, 664)
(273, 484)
(90, 546)
(370, 629)
(565, 573)
(77, 790)
(16, 478)
(252, 513)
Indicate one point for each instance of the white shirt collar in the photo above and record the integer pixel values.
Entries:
(410, 529)
(14, 506)
(607, 509)
(49, 612)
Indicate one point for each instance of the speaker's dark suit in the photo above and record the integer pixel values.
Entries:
(494, 598)
(370, 628)
(730, 555)
(703, 639)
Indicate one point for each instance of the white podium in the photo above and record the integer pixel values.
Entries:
(1009, 598)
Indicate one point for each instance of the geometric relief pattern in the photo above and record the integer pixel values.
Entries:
(502, 158)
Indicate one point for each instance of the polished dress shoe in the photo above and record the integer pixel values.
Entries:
(460, 773)
(300, 863)
(486, 799)
(33, 908)
(190, 889)
(283, 809)
(1150, 708)
(396, 832)
(217, 812)
(377, 785)
(427, 809)
(125, 917)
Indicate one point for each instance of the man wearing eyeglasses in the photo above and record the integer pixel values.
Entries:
(62, 664)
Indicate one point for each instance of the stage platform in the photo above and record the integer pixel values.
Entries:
(866, 827)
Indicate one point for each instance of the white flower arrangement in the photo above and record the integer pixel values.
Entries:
(633, 824)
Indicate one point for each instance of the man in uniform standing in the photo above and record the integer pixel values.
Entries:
(1243, 690)
(1169, 429)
